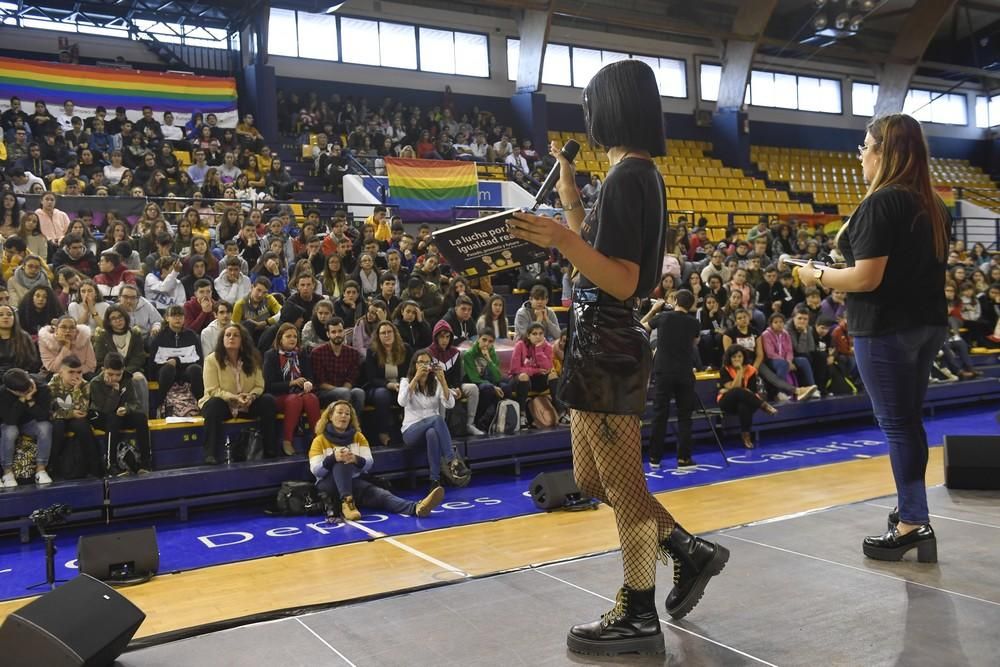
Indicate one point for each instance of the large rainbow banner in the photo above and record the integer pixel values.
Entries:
(89, 87)
(426, 190)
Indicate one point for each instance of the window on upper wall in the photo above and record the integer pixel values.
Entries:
(929, 106)
(863, 97)
(282, 34)
(576, 66)
(317, 36)
(447, 52)
(778, 90)
(987, 111)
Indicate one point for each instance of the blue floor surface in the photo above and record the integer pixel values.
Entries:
(237, 534)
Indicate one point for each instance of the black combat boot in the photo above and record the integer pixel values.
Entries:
(695, 562)
(631, 626)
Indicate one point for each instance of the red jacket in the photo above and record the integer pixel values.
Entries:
(531, 360)
(195, 318)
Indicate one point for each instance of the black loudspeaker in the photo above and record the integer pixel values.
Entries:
(972, 462)
(82, 623)
(552, 490)
(129, 556)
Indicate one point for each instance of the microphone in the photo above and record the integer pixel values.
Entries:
(569, 152)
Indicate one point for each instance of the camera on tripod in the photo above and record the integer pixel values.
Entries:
(50, 516)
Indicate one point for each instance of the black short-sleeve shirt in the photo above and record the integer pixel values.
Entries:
(629, 220)
(892, 223)
(675, 338)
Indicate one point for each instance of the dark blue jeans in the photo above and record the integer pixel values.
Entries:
(895, 369)
(341, 481)
(432, 432)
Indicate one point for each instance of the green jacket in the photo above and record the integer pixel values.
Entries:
(106, 400)
(135, 356)
(478, 369)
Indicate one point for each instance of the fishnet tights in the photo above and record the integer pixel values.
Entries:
(607, 465)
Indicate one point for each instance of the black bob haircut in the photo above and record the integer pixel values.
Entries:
(621, 107)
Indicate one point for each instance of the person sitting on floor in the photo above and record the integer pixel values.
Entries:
(24, 410)
(339, 457)
(114, 407)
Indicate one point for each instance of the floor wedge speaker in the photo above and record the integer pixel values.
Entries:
(972, 462)
(552, 490)
(83, 623)
(127, 556)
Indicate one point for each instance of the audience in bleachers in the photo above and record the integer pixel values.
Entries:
(340, 308)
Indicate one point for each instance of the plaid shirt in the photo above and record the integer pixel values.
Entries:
(328, 368)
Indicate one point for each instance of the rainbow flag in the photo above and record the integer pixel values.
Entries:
(426, 190)
(88, 87)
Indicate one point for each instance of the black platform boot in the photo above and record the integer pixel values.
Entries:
(695, 562)
(893, 520)
(631, 626)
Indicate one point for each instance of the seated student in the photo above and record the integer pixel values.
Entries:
(494, 318)
(536, 310)
(199, 310)
(231, 249)
(30, 274)
(232, 285)
(25, 406)
(446, 353)
(743, 334)
(314, 332)
(340, 455)
(223, 312)
(385, 363)
(460, 320)
(531, 367)
(118, 335)
(175, 355)
(482, 368)
(364, 329)
(387, 291)
(336, 368)
(804, 348)
(426, 295)
(15, 249)
(112, 274)
(305, 296)
(17, 350)
(257, 310)
(234, 386)
(843, 343)
(412, 327)
(287, 373)
(65, 338)
(164, 248)
(779, 353)
(739, 391)
(834, 305)
(142, 313)
(790, 294)
(424, 395)
(350, 307)
(88, 306)
(114, 407)
(70, 405)
(75, 255)
(163, 285)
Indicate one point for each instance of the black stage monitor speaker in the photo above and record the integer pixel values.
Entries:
(82, 623)
(128, 556)
(972, 461)
(552, 490)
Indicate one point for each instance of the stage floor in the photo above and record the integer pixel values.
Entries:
(796, 591)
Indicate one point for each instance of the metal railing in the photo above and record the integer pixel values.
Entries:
(972, 230)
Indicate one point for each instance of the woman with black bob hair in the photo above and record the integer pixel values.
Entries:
(618, 250)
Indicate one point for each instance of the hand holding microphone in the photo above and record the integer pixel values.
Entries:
(562, 177)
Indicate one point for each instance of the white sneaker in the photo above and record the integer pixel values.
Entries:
(42, 478)
(471, 428)
(782, 396)
(8, 481)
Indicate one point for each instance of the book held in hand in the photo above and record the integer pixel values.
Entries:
(484, 246)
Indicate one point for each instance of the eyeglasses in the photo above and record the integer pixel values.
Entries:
(862, 149)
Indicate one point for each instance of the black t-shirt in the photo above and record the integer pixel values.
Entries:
(747, 341)
(892, 223)
(629, 220)
(676, 334)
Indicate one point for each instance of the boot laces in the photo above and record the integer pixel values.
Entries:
(665, 555)
(617, 612)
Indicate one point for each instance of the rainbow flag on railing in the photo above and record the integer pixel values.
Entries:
(426, 190)
(89, 87)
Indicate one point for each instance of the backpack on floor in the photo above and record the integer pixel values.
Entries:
(542, 412)
(72, 463)
(25, 453)
(298, 498)
(180, 402)
(507, 419)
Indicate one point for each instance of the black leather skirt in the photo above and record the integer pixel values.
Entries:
(608, 359)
